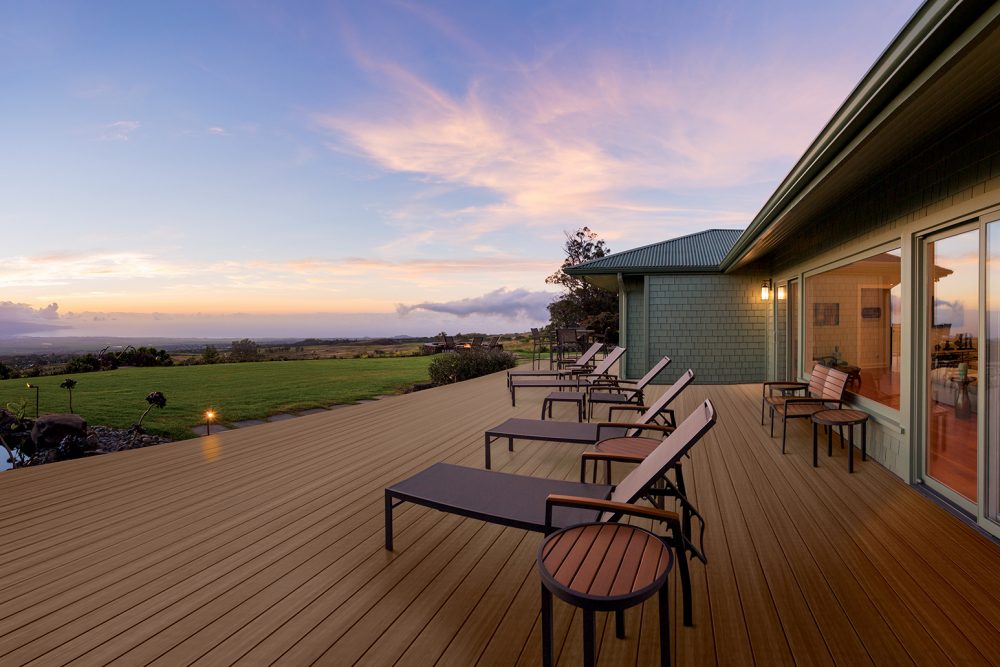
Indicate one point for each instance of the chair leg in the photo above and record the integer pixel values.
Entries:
(772, 422)
(784, 430)
(620, 623)
(684, 572)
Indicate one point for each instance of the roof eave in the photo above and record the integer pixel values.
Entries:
(933, 26)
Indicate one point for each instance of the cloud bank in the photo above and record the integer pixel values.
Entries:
(511, 304)
(18, 319)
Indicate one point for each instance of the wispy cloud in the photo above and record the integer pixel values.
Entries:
(512, 304)
(120, 130)
(552, 142)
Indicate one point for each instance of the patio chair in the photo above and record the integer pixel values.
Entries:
(545, 505)
(589, 433)
(581, 377)
(616, 394)
(821, 395)
(585, 361)
(493, 344)
(566, 342)
(787, 387)
(536, 347)
(477, 341)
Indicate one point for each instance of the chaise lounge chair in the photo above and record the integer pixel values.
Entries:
(581, 378)
(615, 394)
(588, 433)
(545, 505)
(584, 363)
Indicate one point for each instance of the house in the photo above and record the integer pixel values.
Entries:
(878, 253)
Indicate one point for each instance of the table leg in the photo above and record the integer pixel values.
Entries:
(589, 659)
(864, 440)
(664, 609)
(850, 448)
(546, 627)
(815, 459)
(829, 441)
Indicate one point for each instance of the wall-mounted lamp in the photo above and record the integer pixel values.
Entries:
(781, 292)
(765, 290)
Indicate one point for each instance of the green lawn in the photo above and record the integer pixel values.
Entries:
(234, 391)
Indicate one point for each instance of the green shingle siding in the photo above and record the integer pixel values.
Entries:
(712, 323)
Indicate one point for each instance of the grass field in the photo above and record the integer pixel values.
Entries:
(234, 391)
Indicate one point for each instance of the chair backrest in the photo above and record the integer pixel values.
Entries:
(588, 356)
(833, 387)
(449, 342)
(817, 380)
(566, 336)
(653, 372)
(608, 361)
(493, 342)
(476, 341)
(666, 454)
(665, 399)
(536, 335)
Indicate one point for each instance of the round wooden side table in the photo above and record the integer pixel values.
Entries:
(841, 418)
(603, 567)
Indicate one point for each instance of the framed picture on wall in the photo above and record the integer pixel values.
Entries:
(826, 314)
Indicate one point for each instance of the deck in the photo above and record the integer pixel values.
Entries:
(264, 545)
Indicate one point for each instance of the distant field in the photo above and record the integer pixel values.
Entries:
(234, 391)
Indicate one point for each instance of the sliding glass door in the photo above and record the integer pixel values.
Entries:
(951, 360)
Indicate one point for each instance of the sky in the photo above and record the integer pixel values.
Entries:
(271, 169)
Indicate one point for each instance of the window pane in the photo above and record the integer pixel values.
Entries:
(852, 317)
(793, 330)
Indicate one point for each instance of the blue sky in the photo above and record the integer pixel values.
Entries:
(285, 169)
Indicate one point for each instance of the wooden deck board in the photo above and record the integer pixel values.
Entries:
(264, 545)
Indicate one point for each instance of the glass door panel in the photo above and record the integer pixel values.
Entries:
(793, 329)
(952, 358)
(991, 507)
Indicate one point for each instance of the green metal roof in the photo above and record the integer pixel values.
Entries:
(702, 251)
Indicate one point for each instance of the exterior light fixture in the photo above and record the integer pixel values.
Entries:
(765, 290)
(209, 416)
(35, 387)
(781, 292)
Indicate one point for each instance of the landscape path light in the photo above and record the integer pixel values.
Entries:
(35, 387)
(209, 416)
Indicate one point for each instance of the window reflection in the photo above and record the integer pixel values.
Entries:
(852, 322)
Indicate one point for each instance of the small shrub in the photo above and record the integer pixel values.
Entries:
(448, 368)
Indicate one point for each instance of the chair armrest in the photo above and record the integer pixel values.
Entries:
(641, 427)
(673, 519)
(635, 407)
(608, 456)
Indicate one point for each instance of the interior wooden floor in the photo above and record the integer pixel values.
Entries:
(265, 546)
